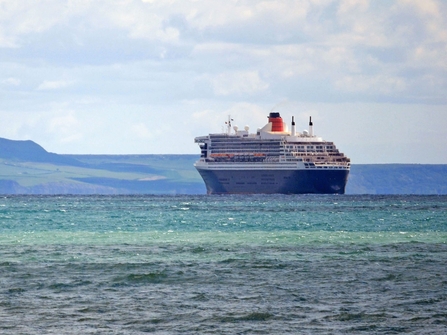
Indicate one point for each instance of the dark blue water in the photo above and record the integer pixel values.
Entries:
(223, 264)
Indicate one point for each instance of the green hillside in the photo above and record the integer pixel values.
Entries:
(103, 175)
(397, 179)
(27, 168)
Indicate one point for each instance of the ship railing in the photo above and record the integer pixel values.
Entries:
(239, 154)
(331, 164)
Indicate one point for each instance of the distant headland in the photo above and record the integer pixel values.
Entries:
(27, 168)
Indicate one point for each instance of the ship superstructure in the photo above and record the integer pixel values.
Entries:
(272, 160)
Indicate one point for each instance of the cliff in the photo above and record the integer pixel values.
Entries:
(30, 151)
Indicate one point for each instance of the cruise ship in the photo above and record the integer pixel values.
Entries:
(272, 160)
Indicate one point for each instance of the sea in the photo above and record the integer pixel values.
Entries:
(199, 264)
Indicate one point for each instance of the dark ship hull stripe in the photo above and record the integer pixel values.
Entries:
(275, 181)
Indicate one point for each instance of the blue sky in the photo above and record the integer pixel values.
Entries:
(147, 76)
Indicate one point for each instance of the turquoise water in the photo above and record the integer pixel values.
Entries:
(223, 264)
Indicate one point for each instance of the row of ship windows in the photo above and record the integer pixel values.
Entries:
(329, 147)
(238, 139)
(315, 150)
(246, 147)
(251, 150)
(271, 148)
(247, 142)
(274, 143)
(243, 144)
(322, 167)
(223, 150)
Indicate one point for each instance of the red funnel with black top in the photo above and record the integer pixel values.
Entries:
(276, 120)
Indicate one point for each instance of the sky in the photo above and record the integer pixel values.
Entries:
(147, 76)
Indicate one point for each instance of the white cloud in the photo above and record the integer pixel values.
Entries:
(141, 131)
(239, 83)
(426, 7)
(28, 17)
(65, 127)
(53, 85)
(7, 41)
(353, 5)
(425, 57)
(373, 84)
(12, 81)
(113, 65)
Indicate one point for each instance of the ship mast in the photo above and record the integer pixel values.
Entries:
(311, 127)
(293, 127)
(228, 123)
